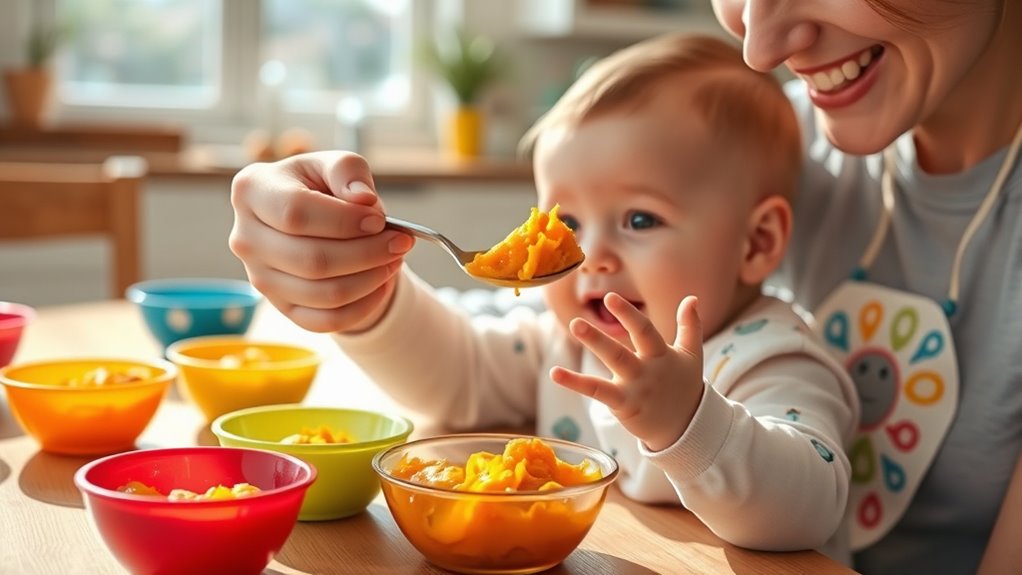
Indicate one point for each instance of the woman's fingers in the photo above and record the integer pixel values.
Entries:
(349, 318)
(615, 356)
(315, 258)
(327, 294)
(345, 175)
(285, 201)
(597, 388)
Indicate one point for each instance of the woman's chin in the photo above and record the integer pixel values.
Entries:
(855, 136)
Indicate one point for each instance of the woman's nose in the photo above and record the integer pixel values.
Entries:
(774, 30)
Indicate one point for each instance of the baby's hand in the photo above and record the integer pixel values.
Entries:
(656, 388)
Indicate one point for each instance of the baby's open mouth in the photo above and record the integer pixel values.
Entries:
(603, 315)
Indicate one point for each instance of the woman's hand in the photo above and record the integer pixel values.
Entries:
(310, 232)
(656, 388)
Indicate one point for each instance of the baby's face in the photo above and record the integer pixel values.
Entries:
(660, 211)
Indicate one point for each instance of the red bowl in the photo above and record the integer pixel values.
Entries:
(151, 534)
(13, 318)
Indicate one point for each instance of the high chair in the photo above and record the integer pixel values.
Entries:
(62, 200)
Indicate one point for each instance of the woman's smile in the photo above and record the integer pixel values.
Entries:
(844, 82)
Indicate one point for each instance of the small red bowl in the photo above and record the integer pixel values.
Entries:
(151, 534)
(13, 319)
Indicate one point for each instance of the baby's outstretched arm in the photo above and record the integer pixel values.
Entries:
(655, 388)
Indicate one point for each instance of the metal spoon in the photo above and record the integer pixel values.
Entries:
(463, 257)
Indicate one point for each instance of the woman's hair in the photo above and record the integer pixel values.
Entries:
(923, 16)
(744, 108)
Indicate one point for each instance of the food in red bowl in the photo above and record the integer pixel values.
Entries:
(152, 533)
(13, 319)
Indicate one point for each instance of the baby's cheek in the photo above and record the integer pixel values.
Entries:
(559, 297)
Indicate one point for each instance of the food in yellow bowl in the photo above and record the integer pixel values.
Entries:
(248, 357)
(488, 503)
(225, 373)
(215, 493)
(541, 246)
(319, 436)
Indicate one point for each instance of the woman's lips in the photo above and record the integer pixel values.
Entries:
(852, 91)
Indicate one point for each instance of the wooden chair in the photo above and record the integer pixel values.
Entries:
(47, 200)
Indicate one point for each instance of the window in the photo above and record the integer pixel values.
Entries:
(156, 53)
(198, 61)
(333, 48)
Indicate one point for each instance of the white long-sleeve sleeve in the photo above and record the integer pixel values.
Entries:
(461, 371)
(756, 478)
(762, 463)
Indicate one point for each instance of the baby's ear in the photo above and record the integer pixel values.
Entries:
(769, 229)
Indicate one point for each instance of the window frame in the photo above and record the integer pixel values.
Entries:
(236, 112)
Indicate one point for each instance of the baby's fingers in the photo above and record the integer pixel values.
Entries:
(690, 327)
(597, 388)
(615, 356)
(646, 339)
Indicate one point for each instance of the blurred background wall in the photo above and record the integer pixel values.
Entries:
(101, 78)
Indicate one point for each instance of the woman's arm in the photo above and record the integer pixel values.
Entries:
(1003, 553)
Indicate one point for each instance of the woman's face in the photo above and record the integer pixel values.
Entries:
(870, 76)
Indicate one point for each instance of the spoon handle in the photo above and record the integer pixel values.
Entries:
(428, 234)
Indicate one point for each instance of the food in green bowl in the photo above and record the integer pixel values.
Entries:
(347, 482)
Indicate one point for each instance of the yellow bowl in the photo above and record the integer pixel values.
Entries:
(512, 532)
(85, 419)
(218, 378)
(346, 482)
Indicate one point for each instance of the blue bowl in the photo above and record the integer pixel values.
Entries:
(176, 309)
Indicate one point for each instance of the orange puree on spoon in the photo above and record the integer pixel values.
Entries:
(541, 246)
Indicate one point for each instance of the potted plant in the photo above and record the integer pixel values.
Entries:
(29, 88)
(468, 64)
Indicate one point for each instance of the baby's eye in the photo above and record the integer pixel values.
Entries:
(642, 220)
(569, 221)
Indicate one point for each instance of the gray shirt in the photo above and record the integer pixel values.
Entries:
(946, 527)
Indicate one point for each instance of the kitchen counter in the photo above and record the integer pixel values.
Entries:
(169, 157)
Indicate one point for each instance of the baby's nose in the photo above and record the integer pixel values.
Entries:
(600, 258)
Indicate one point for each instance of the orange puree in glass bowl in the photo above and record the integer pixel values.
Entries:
(519, 511)
(527, 464)
(541, 246)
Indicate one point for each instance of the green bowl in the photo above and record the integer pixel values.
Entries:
(346, 482)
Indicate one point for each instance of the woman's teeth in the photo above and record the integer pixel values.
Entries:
(833, 79)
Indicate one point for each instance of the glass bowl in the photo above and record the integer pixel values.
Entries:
(494, 532)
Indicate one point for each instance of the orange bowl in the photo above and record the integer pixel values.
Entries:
(84, 419)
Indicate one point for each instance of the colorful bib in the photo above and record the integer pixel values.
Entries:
(898, 349)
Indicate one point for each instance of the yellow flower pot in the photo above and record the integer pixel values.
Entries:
(466, 132)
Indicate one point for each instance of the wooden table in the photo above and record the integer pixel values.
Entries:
(44, 529)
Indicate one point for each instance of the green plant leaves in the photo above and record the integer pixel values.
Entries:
(469, 64)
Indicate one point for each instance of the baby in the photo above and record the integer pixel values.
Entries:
(674, 164)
